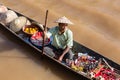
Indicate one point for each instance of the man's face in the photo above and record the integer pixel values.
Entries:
(62, 26)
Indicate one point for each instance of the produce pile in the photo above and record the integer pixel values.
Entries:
(30, 29)
(95, 69)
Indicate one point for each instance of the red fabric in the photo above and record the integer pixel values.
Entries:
(37, 35)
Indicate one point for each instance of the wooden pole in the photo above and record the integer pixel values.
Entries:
(44, 30)
(107, 64)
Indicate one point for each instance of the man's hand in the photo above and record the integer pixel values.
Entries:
(60, 58)
(63, 54)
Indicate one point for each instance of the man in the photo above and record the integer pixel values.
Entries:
(62, 40)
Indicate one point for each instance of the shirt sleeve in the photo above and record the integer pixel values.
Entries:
(70, 39)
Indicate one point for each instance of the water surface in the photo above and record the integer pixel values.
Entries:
(96, 25)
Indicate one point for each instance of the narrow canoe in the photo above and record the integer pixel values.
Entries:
(77, 48)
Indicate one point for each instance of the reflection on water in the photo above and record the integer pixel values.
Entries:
(96, 22)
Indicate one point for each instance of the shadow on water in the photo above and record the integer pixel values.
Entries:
(5, 41)
(48, 64)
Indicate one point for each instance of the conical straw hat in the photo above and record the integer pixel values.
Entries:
(63, 20)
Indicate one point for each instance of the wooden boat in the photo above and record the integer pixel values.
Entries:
(77, 48)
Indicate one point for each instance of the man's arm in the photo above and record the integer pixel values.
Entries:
(64, 52)
(69, 44)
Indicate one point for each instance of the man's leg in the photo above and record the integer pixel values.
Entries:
(70, 54)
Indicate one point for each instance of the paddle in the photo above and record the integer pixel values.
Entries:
(108, 64)
(43, 31)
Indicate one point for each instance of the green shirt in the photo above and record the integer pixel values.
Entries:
(61, 40)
